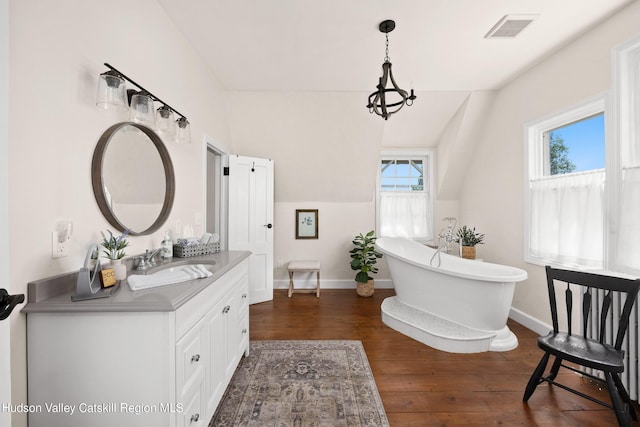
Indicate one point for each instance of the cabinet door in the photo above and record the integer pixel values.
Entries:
(217, 344)
(243, 317)
(190, 359)
(232, 329)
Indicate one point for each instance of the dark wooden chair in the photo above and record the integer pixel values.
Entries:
(592, 353)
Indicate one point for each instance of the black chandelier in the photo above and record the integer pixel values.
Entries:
(378, 102)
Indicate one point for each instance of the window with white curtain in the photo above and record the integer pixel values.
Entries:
(404, 204)
(566, 187)
(624, 221)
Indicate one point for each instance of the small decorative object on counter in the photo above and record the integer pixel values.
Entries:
(114, 250)
(184, 250)
(167, 245)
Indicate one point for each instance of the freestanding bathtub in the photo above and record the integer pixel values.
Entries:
(461, 306)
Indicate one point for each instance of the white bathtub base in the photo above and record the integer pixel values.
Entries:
(443, 334)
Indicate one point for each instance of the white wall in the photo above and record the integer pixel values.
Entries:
(5, 330)
(56, 54)
(492, 197)
(325, 147)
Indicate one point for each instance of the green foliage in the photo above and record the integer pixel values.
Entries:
(114, 246)
(558, 155)
(468, 236)
(364, 256)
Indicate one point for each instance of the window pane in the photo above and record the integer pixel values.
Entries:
(402, 175)
(576, 147)
(388, 184)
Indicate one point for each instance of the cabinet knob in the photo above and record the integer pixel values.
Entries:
(244, 296)
(195, 418)
(195, 358)
(226, 309)
(244, 331)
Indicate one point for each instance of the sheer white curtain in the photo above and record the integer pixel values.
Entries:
(567, 218)
(628, 248)
(405, 215)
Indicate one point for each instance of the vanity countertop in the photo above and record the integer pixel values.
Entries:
(53, 294)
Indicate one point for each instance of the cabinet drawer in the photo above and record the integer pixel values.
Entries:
(190, 359)
(194, 413)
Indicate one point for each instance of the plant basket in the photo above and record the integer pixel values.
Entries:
(365, 289)
(469, 252)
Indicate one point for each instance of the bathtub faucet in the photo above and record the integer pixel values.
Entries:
(445, 237)
(447, 233)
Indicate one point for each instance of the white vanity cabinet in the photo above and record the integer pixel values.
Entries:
(138, 368)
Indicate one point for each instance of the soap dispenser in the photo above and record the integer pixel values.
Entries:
(167, 245)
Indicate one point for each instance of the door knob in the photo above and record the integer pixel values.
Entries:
(268, 225)
(8, 303)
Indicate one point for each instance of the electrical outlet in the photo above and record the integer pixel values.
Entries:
(58, 249)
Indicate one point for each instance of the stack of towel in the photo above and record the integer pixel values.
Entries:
(169, 276)
(191, 241)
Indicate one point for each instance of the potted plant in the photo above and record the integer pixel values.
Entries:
(114, 250)
(363, 260)
(468, 238)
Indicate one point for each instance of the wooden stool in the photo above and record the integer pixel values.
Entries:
(304, 266)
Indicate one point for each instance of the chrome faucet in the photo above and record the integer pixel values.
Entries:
(148, 259)
(445, 237)
(448, 235)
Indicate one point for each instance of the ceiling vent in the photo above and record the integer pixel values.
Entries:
(510, 26)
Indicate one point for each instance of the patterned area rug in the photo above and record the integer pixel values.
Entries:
(302, 383)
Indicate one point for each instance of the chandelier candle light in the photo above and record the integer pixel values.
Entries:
(378, 102)
(113, 95)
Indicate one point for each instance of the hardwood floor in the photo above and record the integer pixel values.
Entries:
(421, 386)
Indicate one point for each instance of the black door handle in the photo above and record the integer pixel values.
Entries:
(8, 303)
(268, 225)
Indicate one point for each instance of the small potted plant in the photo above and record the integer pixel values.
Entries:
(114, 250)
(468, 238)
(363, 260)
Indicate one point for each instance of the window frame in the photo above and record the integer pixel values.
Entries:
(428, 158)
(535, 162)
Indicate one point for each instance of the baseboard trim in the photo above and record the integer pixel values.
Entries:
(530, 322)
(329, 284)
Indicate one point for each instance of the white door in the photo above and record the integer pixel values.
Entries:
(251, 220)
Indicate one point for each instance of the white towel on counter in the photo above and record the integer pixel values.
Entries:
(169, 276)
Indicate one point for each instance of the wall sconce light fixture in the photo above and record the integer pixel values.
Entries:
(113, 95)
(385, 102)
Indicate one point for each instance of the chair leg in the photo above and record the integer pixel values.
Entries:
(555, 368)
(625, 396)
(535, 377)
(619, 406)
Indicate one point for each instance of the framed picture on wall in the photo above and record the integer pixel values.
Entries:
(306, 223)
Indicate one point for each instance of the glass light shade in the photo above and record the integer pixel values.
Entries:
(112, 94)
(165, 124)
(142, 110)
(183, 132)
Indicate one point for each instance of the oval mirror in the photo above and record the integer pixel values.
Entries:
(133, 179)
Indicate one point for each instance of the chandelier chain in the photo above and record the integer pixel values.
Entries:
(386, 51)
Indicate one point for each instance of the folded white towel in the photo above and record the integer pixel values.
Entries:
(169, 276)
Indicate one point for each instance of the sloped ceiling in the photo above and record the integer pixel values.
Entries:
(315, 62)
(335, 45)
